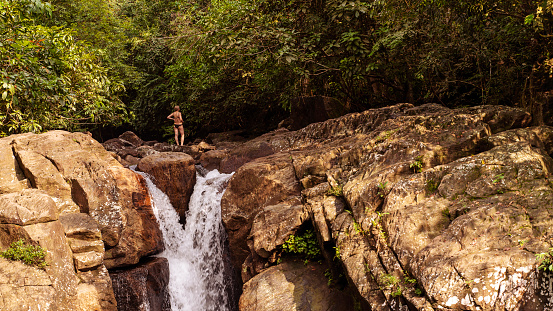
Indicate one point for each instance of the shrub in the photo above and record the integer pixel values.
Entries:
(305, 245)
(32, 255)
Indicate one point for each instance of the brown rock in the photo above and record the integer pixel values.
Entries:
(29, 206)
(132, 138)
(263, 182)
(82, 176)
(141, 235)
(293, 286)
(96, 289)
(88, 260)
(143, 287)
(174, 174)
(211, 160)
(12, 179)
(274, 224)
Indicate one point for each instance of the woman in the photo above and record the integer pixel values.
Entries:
(177, 118)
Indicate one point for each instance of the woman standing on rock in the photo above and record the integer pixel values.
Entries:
(176, 116)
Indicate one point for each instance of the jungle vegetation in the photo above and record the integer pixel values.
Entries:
(92, 64)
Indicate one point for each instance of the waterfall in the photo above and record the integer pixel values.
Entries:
(195, 253)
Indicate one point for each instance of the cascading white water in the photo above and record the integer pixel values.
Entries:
(195, 253)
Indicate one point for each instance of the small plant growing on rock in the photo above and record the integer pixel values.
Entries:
(305, 245)
(30, 254)
(382, 188)
(546, 261)
(417, 165)
(432, 185)
(498, 177)
(337, 191)
(384, 136)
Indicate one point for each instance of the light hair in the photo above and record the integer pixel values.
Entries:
(177, 108)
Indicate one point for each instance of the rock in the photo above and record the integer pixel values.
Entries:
(423, 207)
(132, 138)
(211, 160)
(479, 196)
(232, 136)
(257, 184)
(144, 151)
(96, 289)
(203, 146)
(293, 286)
(12, 179)
(141, 235)
(174, 174)
(310, 109)
(88, 260)
(80, 226)
(143, 287)
(261, 146)
(25, 288)
(81, 176)
(117, 144)
(274, 224)
(29, 206)
(539, 137)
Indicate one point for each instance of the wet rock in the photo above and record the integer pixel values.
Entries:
(174, 174)
(211, 160)
(143, 287)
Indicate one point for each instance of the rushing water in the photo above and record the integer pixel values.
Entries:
(195, 253)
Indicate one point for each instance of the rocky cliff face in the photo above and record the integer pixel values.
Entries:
(66, 193)
(420, 208)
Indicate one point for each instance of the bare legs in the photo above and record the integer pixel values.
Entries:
(181, 130)
(178, 130)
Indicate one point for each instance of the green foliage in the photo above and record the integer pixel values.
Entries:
(432, 185)
(545, 261)
(417, 165)
(382, 188)
(446, 213)
(337, 191)
(29, 254)
(498, 177)
(305, 245)
(49, 79)
(378, 225)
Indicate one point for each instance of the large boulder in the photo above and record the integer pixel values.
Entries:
(174, 173)
(258, 184)
(293, 286)
(59, 285)
(66, 193)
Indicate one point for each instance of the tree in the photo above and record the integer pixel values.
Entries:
(50, 80)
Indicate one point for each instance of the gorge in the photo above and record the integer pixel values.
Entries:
(413, 208)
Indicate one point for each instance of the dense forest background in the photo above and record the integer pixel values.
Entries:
(101, 65)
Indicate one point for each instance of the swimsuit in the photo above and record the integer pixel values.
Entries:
(177, 125)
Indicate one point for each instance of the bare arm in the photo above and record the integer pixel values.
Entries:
(171, 116)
